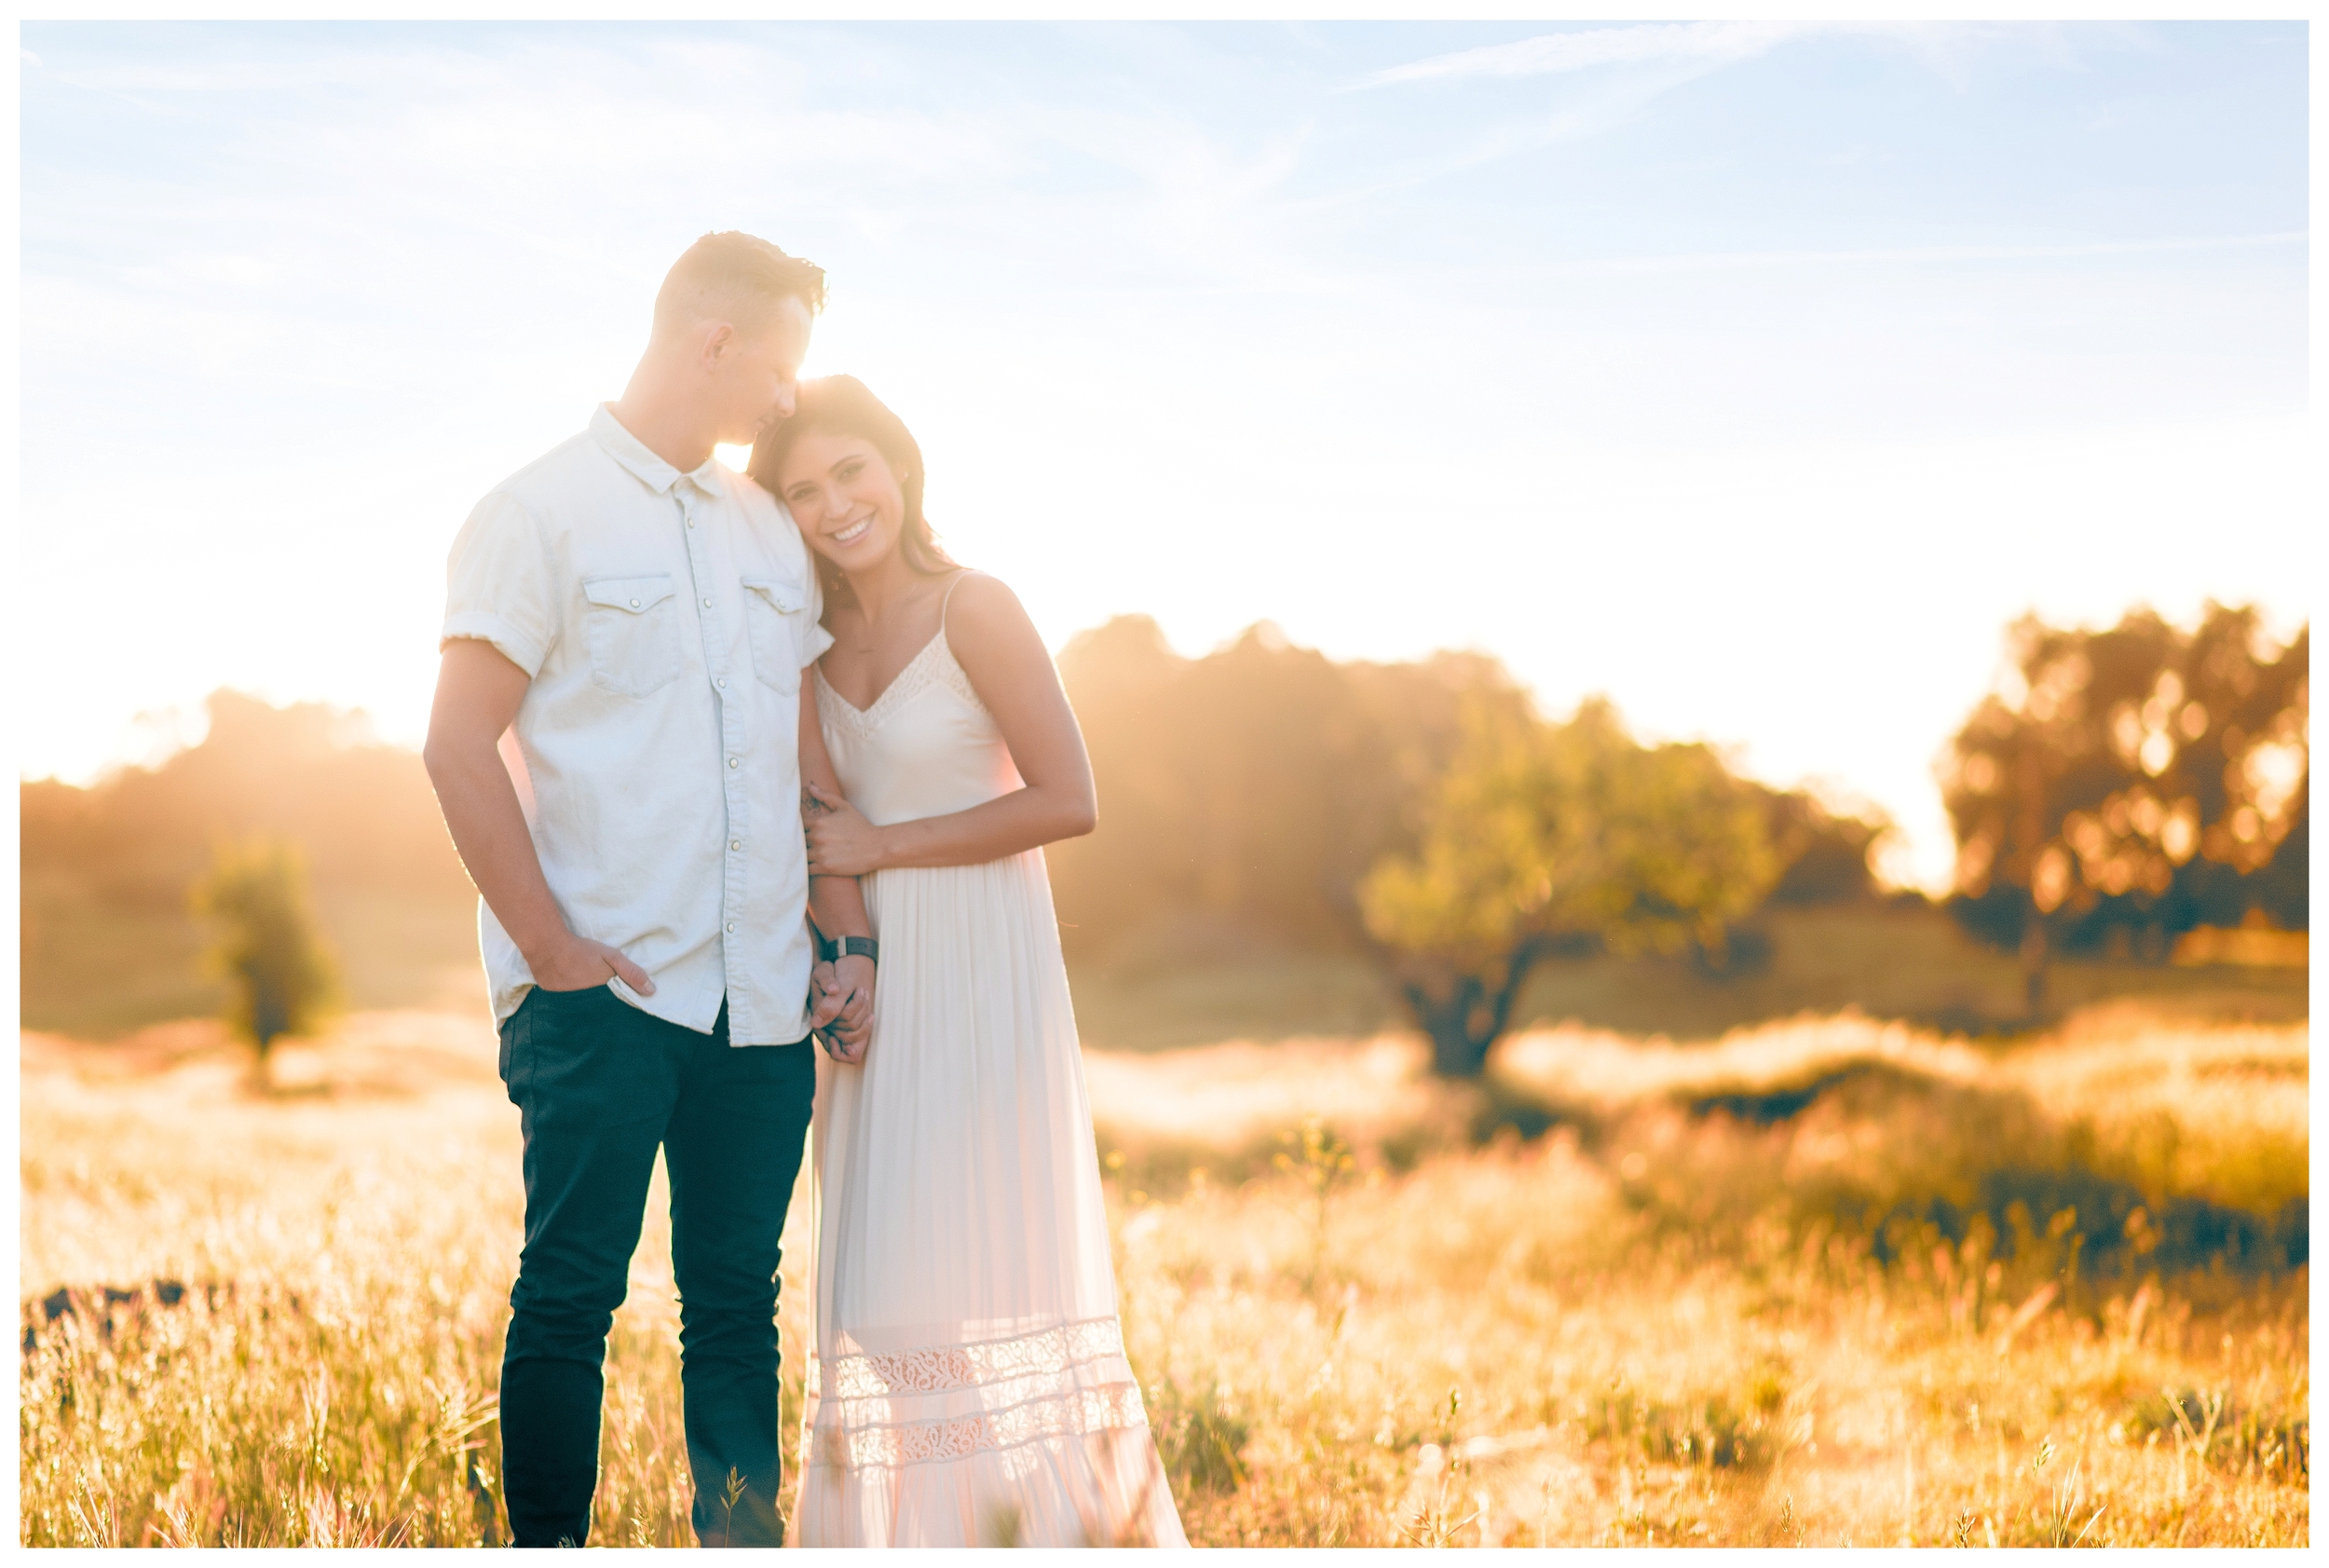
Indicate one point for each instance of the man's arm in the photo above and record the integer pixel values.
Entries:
(478, 693)
(836, 903)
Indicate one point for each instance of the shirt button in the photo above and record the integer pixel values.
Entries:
(735, 843)
(634, 604)
(721, 682)
(707, 603)
(691, 522)
(731, 926)
(733, 762)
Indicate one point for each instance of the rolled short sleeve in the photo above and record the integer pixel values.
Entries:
(498, 585)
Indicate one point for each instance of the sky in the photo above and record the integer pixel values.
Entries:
(1756, 376)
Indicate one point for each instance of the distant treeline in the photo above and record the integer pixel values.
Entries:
(362, 812)
(1243, 796)
(2143, 779)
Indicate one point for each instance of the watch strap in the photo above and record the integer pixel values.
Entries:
(850, 946)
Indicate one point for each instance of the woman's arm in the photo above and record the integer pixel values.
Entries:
(1012, 672)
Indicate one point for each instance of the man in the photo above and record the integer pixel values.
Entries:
(637, 620)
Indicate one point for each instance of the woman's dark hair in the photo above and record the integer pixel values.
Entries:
(841, 405)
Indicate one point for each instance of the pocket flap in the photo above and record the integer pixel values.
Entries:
(635, 594)
(784, 593)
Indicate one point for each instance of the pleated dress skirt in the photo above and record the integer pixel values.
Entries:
(968, 1385)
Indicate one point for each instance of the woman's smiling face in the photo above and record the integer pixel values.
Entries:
(844, 497)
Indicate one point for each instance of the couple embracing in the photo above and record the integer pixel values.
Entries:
(754, 780)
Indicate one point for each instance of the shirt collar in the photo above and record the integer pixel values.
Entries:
(650, 470)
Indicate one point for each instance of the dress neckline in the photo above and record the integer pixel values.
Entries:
(866, 716)
(895, 681)
(922, 671)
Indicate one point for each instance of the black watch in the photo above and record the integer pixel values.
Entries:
(850, 946)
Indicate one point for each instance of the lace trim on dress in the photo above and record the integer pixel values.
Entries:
(940, 1368)
(1047, 1377)
(1114, 1408)
(909, 681)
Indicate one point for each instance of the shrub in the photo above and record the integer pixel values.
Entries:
(269, 945)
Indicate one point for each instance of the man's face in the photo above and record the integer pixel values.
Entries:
(756, 376)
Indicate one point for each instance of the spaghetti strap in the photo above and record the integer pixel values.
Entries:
(949, 599)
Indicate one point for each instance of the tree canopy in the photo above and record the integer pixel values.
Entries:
(1542, 837)
(2132, 783)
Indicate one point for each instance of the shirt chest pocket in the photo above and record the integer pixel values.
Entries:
(776, 613)
(632, 623)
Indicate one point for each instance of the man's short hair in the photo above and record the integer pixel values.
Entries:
(735, 277)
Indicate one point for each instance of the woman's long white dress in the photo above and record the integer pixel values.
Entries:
(969, 1383)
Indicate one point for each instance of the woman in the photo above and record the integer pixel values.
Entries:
(969, 1385)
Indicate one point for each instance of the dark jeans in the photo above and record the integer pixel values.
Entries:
(599, 1085)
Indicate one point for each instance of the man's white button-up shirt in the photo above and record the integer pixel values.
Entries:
(666, 620)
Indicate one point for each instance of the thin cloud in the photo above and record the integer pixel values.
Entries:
(1740, 259)
(1711, 42)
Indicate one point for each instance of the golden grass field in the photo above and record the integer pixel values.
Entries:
(1814, 1282)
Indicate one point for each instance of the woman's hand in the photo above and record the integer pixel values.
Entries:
(841, 843)
(854, 1029)
(841, 1008)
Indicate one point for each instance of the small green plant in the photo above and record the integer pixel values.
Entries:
(1323, 1162)
(1436, 1524)
(1202, 1440)
(269, 945)
(2057, 1522)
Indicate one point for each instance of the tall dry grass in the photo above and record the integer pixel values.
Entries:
(1824, 1282)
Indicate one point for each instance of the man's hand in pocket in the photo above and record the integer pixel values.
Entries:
(579, 963)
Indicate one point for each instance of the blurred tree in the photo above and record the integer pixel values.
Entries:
(268, 944)
(2131, 784)
(1826, 852)
(1543, 837)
